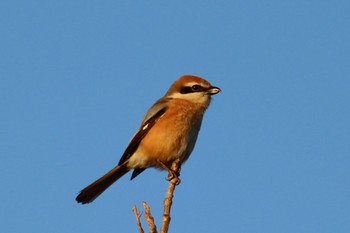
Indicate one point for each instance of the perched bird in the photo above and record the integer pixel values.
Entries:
(168, 132)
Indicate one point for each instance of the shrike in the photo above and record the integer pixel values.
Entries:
(168, 132)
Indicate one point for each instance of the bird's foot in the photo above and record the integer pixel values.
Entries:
(173, 175)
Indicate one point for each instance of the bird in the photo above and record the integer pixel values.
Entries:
(168, 132)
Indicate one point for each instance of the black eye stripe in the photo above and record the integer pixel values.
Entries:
(191, 89)
(186, 90)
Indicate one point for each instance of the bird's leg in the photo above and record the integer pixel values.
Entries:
(172, 174)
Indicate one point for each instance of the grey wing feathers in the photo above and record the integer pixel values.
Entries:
(152, 111)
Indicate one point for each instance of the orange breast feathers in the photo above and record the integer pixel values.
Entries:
(173, 136)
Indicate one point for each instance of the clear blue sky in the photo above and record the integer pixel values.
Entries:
(273, 154)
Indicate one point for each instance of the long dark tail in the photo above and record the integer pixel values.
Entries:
(92, 191)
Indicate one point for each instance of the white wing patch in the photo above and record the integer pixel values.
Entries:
(145, 127)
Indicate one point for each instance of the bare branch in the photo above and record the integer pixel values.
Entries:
(174, 180)
(175, 167)
(149, 218)
(137, 216)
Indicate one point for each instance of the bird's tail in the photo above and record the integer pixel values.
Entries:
(92, 191)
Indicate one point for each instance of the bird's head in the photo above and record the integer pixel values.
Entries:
(192, 88)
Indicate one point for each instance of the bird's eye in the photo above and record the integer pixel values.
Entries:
(191, 89)
(196, 87)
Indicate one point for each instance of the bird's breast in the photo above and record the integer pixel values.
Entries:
(173, 136)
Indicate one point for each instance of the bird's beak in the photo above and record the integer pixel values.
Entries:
(213, 90)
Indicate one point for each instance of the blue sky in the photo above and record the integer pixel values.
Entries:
(76, 78)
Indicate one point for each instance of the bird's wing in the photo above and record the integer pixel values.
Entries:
(150, 118)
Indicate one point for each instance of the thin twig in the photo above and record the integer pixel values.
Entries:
(138, 221)
(168, 200)
(174, 174)
(149, 218)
